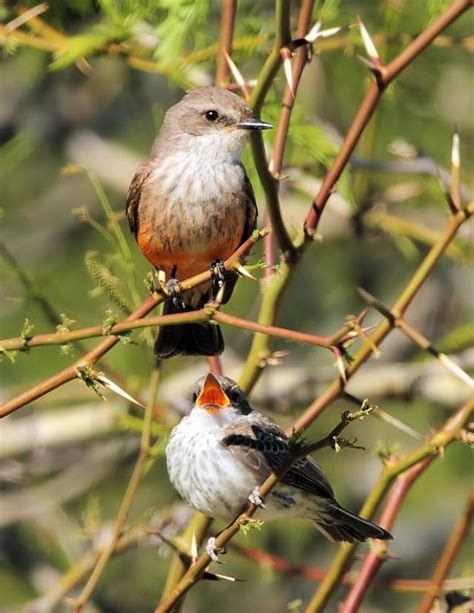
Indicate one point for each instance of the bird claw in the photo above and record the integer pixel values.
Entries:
(256, 499)
(174, 292)
(212, 550)
(217, 271)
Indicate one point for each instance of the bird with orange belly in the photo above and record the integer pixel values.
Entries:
(190, 205)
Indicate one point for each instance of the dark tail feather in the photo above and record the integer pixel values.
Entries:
(337, 524)
(187, 339)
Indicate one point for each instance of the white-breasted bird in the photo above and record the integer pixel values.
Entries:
(221, 452)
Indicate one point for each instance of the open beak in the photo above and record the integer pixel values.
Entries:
(252, 123)
(212, 397)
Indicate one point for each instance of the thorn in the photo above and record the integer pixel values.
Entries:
(449, 199)
(369, 45)
(244, 272)
(161, 277)
(219, 296)
(239, 79)
(367, 63)
(194, 548)
(113, 387)
(455, 369)
(313, 33)
(455, 150)
(455, 191)
(226, 578)
(316, 32)
(396, 423)
(340, 364)
(286, 55)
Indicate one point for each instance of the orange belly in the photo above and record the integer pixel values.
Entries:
(184, 262)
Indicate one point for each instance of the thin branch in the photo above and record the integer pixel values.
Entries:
(431, 449)
(448, 556)
(383, 79)
(273, 294)
(195, 571)
(377, 553)
(265, 79)
(209, 312)
(400, 306)
(417, 337)
(90, 358)
(127, 501)
(229, 10)
(288, 101)
(280, 565)
(197, 528)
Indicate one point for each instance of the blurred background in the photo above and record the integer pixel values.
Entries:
(84, 88)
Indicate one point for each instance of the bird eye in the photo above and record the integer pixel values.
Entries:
(233, 395)
(194, 397)
(211, 115)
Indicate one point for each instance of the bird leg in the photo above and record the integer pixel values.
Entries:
(217, 271)
(212, 551)
(173, 291)
(255, 499)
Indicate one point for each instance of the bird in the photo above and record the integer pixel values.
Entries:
(190, 205)
(223, 450)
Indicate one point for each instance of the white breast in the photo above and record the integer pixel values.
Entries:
(200, 172)
(202, 469)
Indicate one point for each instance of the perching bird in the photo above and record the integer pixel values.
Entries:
(190, 205)
(221, 452)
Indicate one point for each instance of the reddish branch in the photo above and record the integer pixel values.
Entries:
(400, 472)
(400, 306)
(280, 565)
(229, 10)
(448, 556)
(90, 358)
(385, 75)
(376, 556)
(272, 176)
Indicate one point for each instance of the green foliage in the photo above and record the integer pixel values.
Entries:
(14, 152)
(462, 337)
(106, 281)
(183, 22)
(84, 45)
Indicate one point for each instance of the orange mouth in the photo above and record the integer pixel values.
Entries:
(212, 398)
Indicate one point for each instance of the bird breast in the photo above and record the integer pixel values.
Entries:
(203, 470)
(192, 211)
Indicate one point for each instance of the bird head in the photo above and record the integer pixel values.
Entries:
(216, 116)
(215, 393)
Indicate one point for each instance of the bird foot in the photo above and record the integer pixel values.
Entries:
(217, 271)
(213, 551)
(256, 500)
(173, 291)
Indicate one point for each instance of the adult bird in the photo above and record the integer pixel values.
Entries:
(190, 205)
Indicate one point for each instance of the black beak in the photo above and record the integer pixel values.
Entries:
(254, 124)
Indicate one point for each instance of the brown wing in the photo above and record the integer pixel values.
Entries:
(134, 195)
(250, 225)
(261, 446)
(252, 212)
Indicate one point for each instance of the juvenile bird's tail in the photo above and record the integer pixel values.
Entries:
(337, 524)
(187, 339)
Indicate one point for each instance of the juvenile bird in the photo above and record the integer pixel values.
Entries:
(190, 205)
(221, 452)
